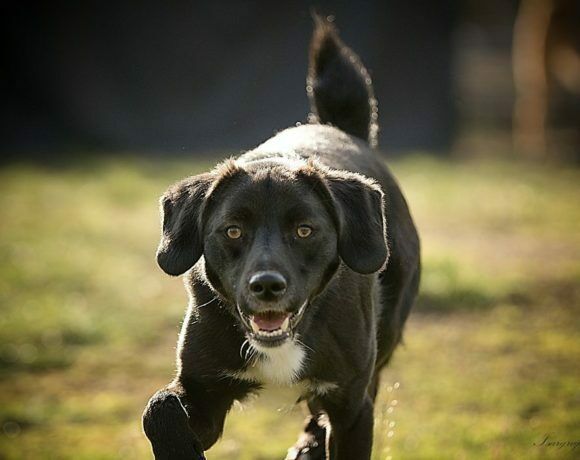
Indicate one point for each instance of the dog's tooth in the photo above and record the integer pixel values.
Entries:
(255, 327)
(285, 324)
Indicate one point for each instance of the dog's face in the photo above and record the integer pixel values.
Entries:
(270, 246)
(272, 236)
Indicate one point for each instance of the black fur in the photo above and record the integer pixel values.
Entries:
(339, 87)
(350, 283)
(181, 243)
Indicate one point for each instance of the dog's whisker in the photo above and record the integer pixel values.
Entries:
(244, 343)
(254, 352)
(207, 303)
(251, 353)
(300, 342)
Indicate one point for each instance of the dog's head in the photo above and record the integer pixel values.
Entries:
(272, 234)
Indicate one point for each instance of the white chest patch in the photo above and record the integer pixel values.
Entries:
(279, 366)
(278, 371)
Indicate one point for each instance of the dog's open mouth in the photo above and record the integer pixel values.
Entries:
(271, 326)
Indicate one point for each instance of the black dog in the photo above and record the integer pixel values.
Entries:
(292, 275)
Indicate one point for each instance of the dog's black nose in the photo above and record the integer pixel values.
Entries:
(267, 285)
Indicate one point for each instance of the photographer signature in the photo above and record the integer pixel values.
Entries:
(550, 442)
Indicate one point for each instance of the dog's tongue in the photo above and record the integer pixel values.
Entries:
(269, 321)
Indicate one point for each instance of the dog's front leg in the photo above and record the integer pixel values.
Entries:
(181, 421)
(351, 429)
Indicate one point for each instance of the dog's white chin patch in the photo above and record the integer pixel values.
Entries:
(279, 365)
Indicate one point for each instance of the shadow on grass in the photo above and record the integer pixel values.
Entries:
(51, 352)
(473, 298)
(457, 300)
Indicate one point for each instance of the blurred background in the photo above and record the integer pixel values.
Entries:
(214, 76)
(103, 105)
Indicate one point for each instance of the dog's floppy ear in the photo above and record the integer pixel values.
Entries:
(181, 243)
(362, 242)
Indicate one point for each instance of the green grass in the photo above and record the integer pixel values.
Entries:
(88, 323)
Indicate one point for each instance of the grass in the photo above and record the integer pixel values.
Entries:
(489, 367)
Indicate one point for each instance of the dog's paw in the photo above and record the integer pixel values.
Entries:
(166, 424)
(311, 444)
(314, 452)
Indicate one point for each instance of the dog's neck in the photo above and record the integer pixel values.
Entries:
(280, 365)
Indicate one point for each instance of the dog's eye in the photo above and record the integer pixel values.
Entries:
(234, 232)
(304, 231)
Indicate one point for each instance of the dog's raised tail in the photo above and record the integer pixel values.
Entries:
(338, 85)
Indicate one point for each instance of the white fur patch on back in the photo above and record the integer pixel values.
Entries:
(278, 365)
